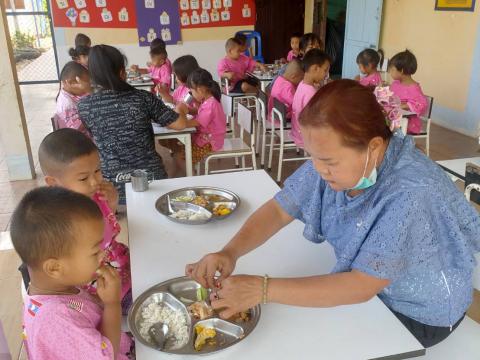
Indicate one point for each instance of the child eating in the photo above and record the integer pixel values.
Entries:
(295, 47)
(401, 68)
(368, 61)
(74, 84)
(182, 68)
(58, 234)
(159, 68)
(69, 159)
(316, 64)
(285, 87)
(234, 67)
(210, 121)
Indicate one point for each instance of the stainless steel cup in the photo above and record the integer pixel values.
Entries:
(140, 181)
(188, 99)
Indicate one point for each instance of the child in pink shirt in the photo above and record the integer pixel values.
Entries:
(285, 86)
(71, 160)
(58, 234)
(182, 67)
(234, 67)
(401, 68)
(159, 68)
(294, 53)
(316, 64)
(211, 122)
(368, 61)
(74, 85)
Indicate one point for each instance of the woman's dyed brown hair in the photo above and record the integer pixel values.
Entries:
(348, 108)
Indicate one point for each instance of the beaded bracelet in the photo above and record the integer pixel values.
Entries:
(265, 288)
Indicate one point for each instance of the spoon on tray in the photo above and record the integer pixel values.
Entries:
(158, 333)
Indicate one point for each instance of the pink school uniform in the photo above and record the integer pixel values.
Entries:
(374, 79)
(238, 67)
(57, 327)
(284, 91)
(116, 254)
(291, 55)
(416, 101)
(302, 96)
(66, 112)
(161, 74)
(213, 124)
(179, 94)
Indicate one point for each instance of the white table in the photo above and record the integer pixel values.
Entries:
(184, 136)
(457, 167)
(160, 249)
(147, 85)
(263, 78)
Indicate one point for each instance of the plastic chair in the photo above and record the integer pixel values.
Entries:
(237, 147)
(257, 38)
(279, 113)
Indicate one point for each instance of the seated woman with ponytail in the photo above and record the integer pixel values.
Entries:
(119, 117)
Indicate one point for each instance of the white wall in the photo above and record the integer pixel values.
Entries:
(207, 53)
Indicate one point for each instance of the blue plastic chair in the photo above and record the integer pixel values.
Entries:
(253, 35)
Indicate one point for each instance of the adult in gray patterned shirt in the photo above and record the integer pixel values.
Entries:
(119, 117)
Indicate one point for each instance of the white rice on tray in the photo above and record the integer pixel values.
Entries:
(176, 321)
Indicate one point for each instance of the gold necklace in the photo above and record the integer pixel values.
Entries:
(49, 292)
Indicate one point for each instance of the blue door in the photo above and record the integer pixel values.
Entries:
(362, 30)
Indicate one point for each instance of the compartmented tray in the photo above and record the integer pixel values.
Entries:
(172, 297)
(197, 205)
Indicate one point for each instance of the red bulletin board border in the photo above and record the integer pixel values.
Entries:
(81, 7)
(236, 12)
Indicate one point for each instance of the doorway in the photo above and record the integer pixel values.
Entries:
(335, 34)
(276, 21)
(31, 33)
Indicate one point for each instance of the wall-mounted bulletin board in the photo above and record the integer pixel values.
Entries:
(158, 18)
(214, 13)
(94, 13)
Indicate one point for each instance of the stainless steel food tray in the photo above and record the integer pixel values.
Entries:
(172, 202)
(183, 290)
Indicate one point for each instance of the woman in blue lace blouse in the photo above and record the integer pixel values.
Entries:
(399, 227)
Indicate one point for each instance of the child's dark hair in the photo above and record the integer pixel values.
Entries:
(79, 50)
(82, 40)
(158, 43)
(105, 64)
(184, 66)
(405, 62)
(370, 56)
(231, 43)
(201, 77)
(242, 38)
(309, 38)
(159, 51)
(61, 147)
(71, 70)
(315, 57)
(44, 222)
(296, 35)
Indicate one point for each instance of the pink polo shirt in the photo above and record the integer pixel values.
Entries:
(374, 79)
(238, 67)
(416, 101)
(291, 55)
(179, 94)
(66, 112)
(161, 74)
(57, 327)
(302, 96)
(284, 91)
(213, 124)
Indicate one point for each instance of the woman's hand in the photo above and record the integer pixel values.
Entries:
(205, 270)
(109, 193)
(181, 108)
(238, 293)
